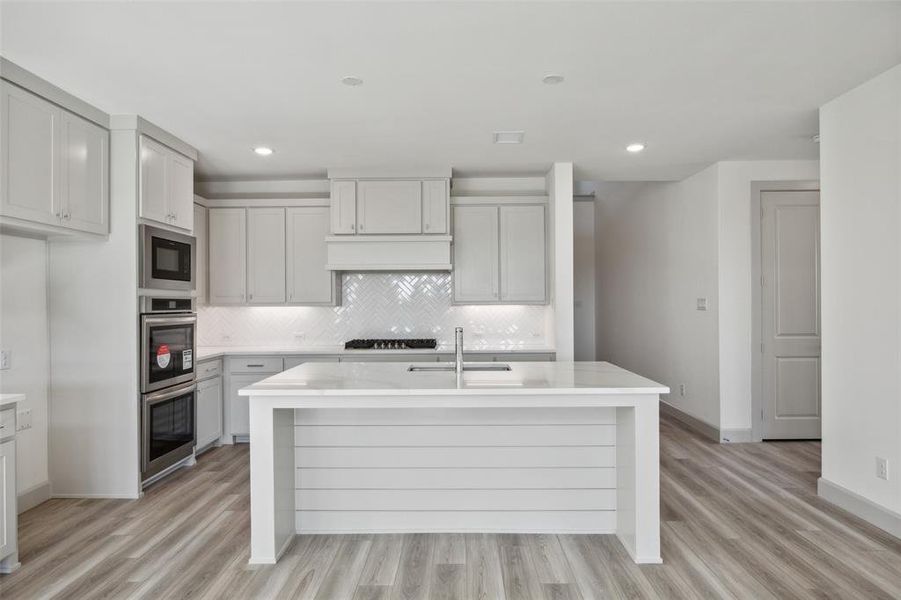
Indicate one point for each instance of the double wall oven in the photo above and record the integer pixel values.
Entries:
(167, 367)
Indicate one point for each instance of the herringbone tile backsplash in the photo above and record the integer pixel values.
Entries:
(377, 305)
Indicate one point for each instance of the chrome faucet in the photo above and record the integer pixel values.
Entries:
(458, 350)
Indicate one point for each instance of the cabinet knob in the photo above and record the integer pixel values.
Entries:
(427, 227)
(351, 227)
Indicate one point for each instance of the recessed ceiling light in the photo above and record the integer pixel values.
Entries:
(633, 148)
(263, 150)
(508, 137)
(552, 79)
(351, 80)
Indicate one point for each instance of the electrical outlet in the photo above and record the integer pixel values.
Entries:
(23, 420)
(881, 468)
(702, 303)
(5, 359)
(299, 336)
(682, 389)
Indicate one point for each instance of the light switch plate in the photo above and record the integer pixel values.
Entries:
(702, 303)
(881, 468)
(5, 359)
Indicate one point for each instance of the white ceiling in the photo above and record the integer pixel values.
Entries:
(696, 82)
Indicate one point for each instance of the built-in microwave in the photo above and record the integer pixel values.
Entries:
(168, 260)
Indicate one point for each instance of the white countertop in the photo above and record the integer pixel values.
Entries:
(393, 379)
(11, 399)
(208, 352)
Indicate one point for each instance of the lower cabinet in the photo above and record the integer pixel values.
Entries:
(240, 409)
(209, 412)
(8, 546)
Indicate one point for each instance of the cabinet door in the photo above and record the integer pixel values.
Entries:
(308, 281)
(29, 156)
(7, 498)
(85, 174)
(522, 254)
(434, 206)
(389, 207)
(154, 202)
(181, 191)
(228, 255)
(265, 255)
(240, 409)
(209, 411)
(344, 207)
(202, 252)
(475, 254)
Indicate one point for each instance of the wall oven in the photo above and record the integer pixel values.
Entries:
(167, 260)
(167, 428)
(168, 343)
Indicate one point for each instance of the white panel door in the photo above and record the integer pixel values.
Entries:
(7, 498)
(522, 254)
(29, 133)
(202, 248)
(228, 255)
(209, 411)
(84, 178)
(265, 255)
(344, 207)
(790, 309)
(389, 207)
(434, 206)
(475, 243)
(154, 203)
(181, 191)
(308, 281)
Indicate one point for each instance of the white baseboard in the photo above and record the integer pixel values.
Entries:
(736, 436)
(857, 505)
(693, 423)
(36, 494)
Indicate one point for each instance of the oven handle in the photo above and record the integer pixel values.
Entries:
(169, 320)
(169, 393)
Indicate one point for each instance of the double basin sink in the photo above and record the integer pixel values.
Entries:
(483, 366)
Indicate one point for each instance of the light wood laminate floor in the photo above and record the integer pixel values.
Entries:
(739, 521)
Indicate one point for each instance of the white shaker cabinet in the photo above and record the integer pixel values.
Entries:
(265, 255)
(475, 243)
(307, 280)
(209, 411)
(202, 247)
(344, 207)
(523, 254)
(389, 207)
(167, 185)
(434, 206)
(228, 255)
(55, 165)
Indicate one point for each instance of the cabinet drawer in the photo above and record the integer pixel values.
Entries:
(254, 365)
(7, 423)
(212, 368)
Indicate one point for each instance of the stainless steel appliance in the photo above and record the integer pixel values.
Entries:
(168, 344)
(168, 429)
(168, 260)
(167, 366)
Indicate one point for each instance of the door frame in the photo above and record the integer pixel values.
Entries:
(757, 188)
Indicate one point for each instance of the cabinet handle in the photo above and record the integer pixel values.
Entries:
(256, 366)
(361, 227)
(427, 227)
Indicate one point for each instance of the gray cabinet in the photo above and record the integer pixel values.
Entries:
(475, 273)
(209, 412)
(242, 372)
(228, 255)
(523, 251)
(167, 185)
(8, 519)
(306, 279)
(386, 206)
(344, 207)
(265, 255)
(55, 165)
(202, 247)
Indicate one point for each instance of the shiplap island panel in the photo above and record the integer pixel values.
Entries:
(543, 447)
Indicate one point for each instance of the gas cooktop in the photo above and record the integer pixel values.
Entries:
(395, 344)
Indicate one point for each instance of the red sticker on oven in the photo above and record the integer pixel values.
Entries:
(163, 356)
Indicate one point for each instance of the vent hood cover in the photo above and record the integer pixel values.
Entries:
(388, 252)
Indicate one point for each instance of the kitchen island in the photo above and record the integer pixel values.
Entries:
(527, 447)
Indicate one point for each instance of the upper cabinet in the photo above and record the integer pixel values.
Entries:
(202, 245)
(265, 255)
(55, 165)
(500, 254)
(307, 280)
(389, 206)
(228, 255)
(167, 185)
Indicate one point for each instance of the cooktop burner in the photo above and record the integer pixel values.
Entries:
(396, 344)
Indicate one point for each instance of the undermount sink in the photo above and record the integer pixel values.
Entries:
(466, 367)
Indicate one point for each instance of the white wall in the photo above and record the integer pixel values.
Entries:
(861, 288)
(656, 254)
(735, 261)
(584, 280)
(560, 196)
(23, 331)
